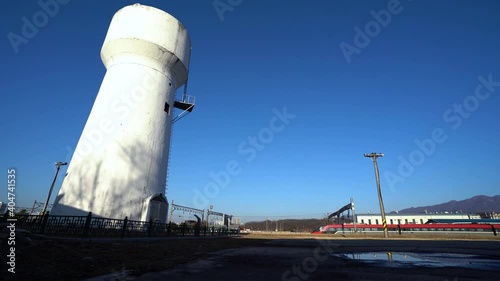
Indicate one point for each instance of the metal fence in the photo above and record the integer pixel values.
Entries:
(88, 226)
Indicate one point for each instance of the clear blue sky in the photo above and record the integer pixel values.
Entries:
(396, 89)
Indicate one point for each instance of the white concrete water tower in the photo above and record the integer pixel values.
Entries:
(119, 167)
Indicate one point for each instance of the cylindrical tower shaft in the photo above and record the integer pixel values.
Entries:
(119, 166)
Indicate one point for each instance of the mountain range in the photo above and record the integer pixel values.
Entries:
(476, 204)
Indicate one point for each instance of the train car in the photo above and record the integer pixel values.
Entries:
(335, 228)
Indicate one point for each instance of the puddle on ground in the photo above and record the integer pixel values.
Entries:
(410, 259)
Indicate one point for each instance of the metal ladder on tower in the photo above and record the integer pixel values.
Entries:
(186, 104)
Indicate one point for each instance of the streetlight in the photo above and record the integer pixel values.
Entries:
(374, 157)
(58, 164)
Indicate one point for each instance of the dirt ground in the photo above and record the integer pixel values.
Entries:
(75, 259)
(48, 258)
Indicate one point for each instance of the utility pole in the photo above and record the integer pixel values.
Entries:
(171, 211)
(208, 214)
(33, 208)
(58, 164)
(374, 157)
(354, 215)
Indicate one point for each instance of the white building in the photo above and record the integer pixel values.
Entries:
(394, 219)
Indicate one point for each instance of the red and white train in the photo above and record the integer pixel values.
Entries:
(428, 227)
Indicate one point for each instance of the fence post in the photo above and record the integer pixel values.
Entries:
(44, 222)
(150, 228)
(205, 230)
(493, 229)
(197, 229)
(183, 229)
(169, 228)
(86, 227)
(124, 228)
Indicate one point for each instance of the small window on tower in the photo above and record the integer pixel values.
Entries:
(167, 108)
